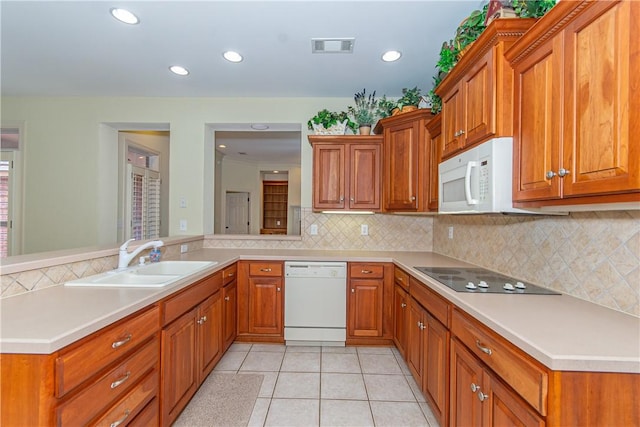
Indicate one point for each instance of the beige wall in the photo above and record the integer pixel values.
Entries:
(65, 146)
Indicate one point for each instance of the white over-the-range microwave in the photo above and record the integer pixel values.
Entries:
(479, 180)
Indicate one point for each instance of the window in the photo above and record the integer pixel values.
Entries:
(143, 195)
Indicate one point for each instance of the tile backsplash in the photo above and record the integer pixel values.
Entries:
(591, 255)
(342, 232)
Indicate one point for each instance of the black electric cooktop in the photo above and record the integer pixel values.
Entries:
(480, 280)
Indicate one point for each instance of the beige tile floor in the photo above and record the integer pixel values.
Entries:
(330, 386)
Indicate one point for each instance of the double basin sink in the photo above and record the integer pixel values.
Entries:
(154, 275)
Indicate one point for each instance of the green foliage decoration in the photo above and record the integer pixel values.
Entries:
(328, 118)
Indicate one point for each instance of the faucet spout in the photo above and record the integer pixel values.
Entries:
(125, 257)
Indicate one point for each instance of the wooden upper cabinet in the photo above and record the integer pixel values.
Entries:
(573, 110)
(434, 129)
(477, 94)
(347, 172)
(406, 161)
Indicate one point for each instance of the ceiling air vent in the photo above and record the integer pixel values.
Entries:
(342, 45)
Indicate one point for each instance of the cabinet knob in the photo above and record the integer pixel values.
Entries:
(122, 342)
(562, 172)
(482, 396)
(121, 420)
(413, 198)
(278, 289)
(226, 298)
(474, 387)
(483, 348)
(342, 198)
(403, 305)
(550, 174)
(353, 291)
(352, 199)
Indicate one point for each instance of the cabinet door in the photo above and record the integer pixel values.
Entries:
(364, 176)
(209, 334)
(537, 124)
(400, 319)
(465, 383)
(600, 147)
(452, 125)
(365, 307)
(435, 157)
(265, 305)
(401, 167)
(478, 96)
(180, 370)
(229, 310)
(329, 187)
(436, 368)
(504, 408)
(415, 338)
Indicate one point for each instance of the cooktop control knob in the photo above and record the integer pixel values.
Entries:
(471, 285)
(508, 287)
(483, 284)
(520, 285)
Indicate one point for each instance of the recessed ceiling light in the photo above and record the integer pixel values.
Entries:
(259, 126)
(222, 146)
(276, 171)
(391, 55)
(177, 69)
(232, 56)
(123, 15)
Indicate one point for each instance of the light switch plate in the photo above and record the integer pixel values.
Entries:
(364, 230)
(183, 225)
(184, 248)
(313, 230)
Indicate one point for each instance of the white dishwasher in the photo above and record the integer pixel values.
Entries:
(315, 303)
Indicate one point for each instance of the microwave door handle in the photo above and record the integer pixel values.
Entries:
(467, 183)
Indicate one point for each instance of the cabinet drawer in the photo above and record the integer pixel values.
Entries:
(229, 274)
(91, 401)
(366, 271)
(176, 306)
(433, 303)
(127, 408)
(512, 365)
(149, 416)
(96, 352)
(401, 278)
(273, 269)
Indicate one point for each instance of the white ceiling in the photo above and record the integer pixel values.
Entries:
(75, 48)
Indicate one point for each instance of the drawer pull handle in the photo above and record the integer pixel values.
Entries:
(482, 396)
(366, 272)
(121, 342)
(266, 270)
(121, 420)
(202, 320)
(483, 348)
(117, 383)
(230, 275)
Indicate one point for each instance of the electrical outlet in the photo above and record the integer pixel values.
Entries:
(451, 232)
(184, 248)
(183, 202)
(364, 230)
(313, 230)
(183, 225)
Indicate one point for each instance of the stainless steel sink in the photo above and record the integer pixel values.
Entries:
(147, 276)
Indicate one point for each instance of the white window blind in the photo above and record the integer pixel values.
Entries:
(143, 196)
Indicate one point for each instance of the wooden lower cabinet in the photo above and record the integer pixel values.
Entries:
(478, 397)
(428, 358)
(401, 319)
(229, 310)
(191, 344)
(370, 303)
(260, 301)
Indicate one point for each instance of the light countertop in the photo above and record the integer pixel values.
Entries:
(560, 331)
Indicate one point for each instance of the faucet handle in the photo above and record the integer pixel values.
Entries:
(126, 244)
